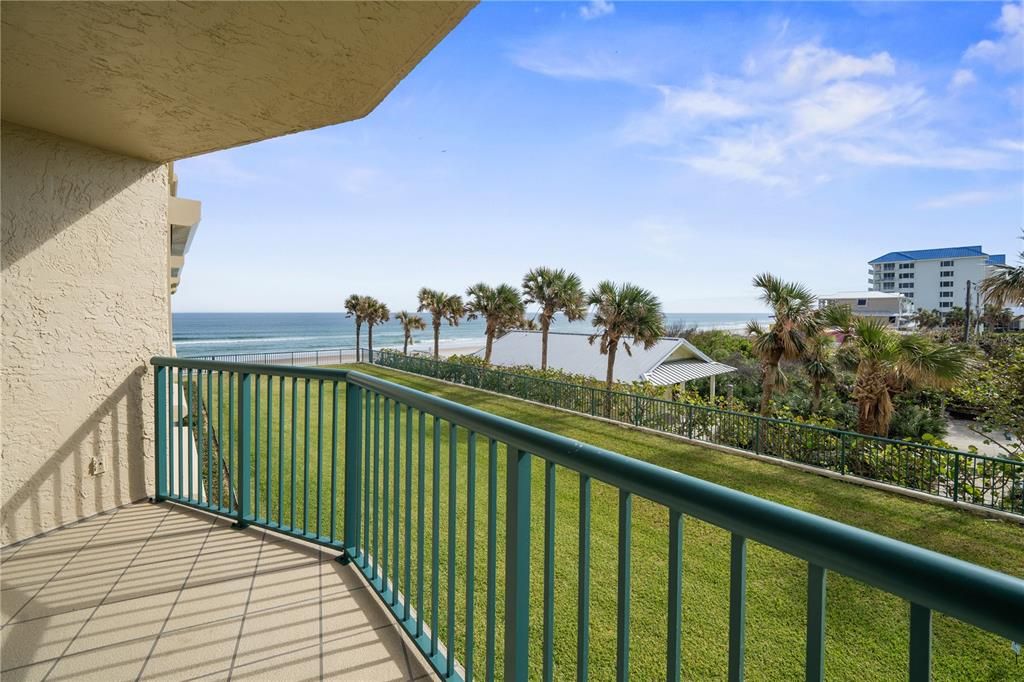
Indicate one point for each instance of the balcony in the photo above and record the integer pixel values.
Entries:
(317, 522)
(162, 592)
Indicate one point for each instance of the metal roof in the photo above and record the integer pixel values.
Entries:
(931, 254)
(996, 259)
(574, 353)
(678, 371)
(842, 295)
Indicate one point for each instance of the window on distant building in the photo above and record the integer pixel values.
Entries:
(888, 285)
(906, 285)
(909, 294)
(906, 266)
(889, 275)
(889, 266)
(945, 264)
(946, 283)
(945, 294)
(862, 301)
(946, 273)
(945, 304)
(906, 275)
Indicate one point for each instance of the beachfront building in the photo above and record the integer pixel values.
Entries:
(669, 362)
(218, 578)
(935, 279)
(891, 306)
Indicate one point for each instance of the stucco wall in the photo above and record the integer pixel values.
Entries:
(84, 306)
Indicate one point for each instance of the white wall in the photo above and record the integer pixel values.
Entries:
(85, 305)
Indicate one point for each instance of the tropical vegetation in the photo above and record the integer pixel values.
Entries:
(501, 307)
(1006, 285)
(374, 313)
(624, 313)
(443, 307)
(410, 322)
(555, 291)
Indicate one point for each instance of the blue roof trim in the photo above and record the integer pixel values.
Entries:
(930, 254)
(996, 259)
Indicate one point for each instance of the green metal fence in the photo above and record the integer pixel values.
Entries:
(992, 482)
(356, 470)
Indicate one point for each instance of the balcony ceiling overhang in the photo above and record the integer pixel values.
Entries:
(166, 80)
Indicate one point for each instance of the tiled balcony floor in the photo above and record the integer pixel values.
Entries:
(159, 592)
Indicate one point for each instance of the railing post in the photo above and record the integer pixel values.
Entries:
(842, 453)
(244, 441)
(956, 477)
(353, 458)
(160, 435)
(517, 565)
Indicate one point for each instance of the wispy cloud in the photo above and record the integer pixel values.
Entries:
(962, 78)
(1007, 50)
(595, 9)
(970, 197)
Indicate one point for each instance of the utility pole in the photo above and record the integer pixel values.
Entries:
(967, 313)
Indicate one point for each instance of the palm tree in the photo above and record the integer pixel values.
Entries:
(887, 362)
(501, 307)
(1005, 286)
(355, 306)
(819, 363)
(441, 306)
(376, 313)
(409, 322)
(624, 312)
(795, 319)
(557, 291)
(996, 317)
(927, 319)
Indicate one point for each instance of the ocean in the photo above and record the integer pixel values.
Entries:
(198, 334)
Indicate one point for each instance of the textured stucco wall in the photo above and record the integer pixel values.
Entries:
(84, 306)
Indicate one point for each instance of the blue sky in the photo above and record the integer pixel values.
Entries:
(684, 147)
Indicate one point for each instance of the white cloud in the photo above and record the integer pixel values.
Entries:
(961, 79)
(968, 198)
(843, 107)
(1006, 51)
(557, 61)
(595, 9)
(358, 180)
(1009, 145)
(810, 64)
(701, 103)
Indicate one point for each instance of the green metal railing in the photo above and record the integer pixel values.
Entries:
(361, 471)
(991, 482)
(316, 357)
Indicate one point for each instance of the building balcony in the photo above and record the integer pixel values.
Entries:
(314, 522)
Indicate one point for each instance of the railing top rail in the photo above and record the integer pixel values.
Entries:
(971, 593)
(718, 410)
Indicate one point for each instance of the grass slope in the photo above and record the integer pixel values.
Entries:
(866, 629)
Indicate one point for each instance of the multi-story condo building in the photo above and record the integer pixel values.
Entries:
(934, 279)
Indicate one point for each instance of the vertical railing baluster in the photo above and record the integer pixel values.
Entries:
(191, 434)
(319, 455)
(395, 504)
(162, 428)
(179, 493)
(675, 595)
(232, 439)
(244, 456)
(198, 435)
(353, 459)
(920, 643)
(435, 529)
(210, 473)
(367, 468)
(256, 450)
(280, 453)
(270, 447)
(816, 577)
(336, 412)
(549, 571)
(737, 605)
(470, 546)
(295, 442)
(385, 511)
(421, 516)
(492, 554)
(305, 458)
(517, 564)
(583, 606)
(624, 579)
(408, 512)
(453, 445)
(376, 484)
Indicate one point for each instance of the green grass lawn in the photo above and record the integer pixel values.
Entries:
(866, 629)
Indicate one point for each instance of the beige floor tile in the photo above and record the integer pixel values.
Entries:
(115, 664)
(295, 666)
(125, 621)
(375, 655)
(28, 673)
(207, 602)
(272, 589)
(61, 596)
(345, 609)
(31, 572)
(193, 652)
(153, 578)
(281, 631)
(40, 639)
